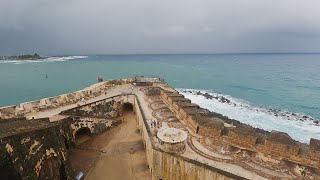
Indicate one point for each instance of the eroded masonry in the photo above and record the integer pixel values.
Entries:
(180, 139)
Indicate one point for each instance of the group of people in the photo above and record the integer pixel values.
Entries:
(153, 123)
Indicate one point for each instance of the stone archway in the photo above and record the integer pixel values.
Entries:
(83, 134)
(52, 169)
(127, 107)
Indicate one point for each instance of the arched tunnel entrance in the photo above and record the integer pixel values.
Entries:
(82, 135)
(127, 107)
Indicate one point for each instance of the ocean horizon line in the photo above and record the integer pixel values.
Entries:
(146, 54)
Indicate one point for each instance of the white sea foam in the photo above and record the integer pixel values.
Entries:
(300, 127)
(48, 60)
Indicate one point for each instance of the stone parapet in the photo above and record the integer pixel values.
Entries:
(277, 144)
(62, 100)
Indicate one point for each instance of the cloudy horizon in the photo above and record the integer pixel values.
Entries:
(149, 26)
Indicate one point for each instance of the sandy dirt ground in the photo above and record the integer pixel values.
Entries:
(117, 154)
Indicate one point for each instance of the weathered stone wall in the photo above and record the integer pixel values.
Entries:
(167, 166)
(108, 108)
(153, 91)
(242, 138)
(98, 116)
(314, 149)
(279, 145)
(179, 147)
(26, 153)
(56, 101)
(145, 133)
(7, 169)
(70, 98)
(211, 131)
(8, 112)
(95, 125)
(177, 168)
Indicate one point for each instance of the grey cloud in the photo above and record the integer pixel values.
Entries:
(153, 26)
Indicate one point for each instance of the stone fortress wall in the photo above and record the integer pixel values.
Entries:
(164, 165)
(100, 115)
(67, 99)
(35, 150)
(97, 116)
(221, 130)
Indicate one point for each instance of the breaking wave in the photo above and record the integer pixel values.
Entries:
(49, 59)
(299, 126)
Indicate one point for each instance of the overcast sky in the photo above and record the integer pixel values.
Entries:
(158, 26)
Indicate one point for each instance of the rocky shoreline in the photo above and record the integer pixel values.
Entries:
(275, 112)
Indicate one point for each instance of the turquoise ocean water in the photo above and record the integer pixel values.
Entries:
(270, 91)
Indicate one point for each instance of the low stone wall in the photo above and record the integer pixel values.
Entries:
(277, 144)
(176, 168)
(108, 108)
(167, 166)
(98, 116)
(95, 125)
(8, 112)
(65, 99)
(56, 101)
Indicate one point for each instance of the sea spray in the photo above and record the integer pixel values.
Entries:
(299, 126)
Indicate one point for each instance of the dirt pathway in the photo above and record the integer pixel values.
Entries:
(114, 155)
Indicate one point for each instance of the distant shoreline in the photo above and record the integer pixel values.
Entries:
(22, 57)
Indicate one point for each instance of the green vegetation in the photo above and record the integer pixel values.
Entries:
(23, 57)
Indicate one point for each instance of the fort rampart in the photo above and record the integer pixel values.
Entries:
(92, 91)
(279, 145)
(163, 165)
(44, 142)
(62, 100)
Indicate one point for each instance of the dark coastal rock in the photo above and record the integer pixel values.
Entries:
(225, 100)
(209, 96)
